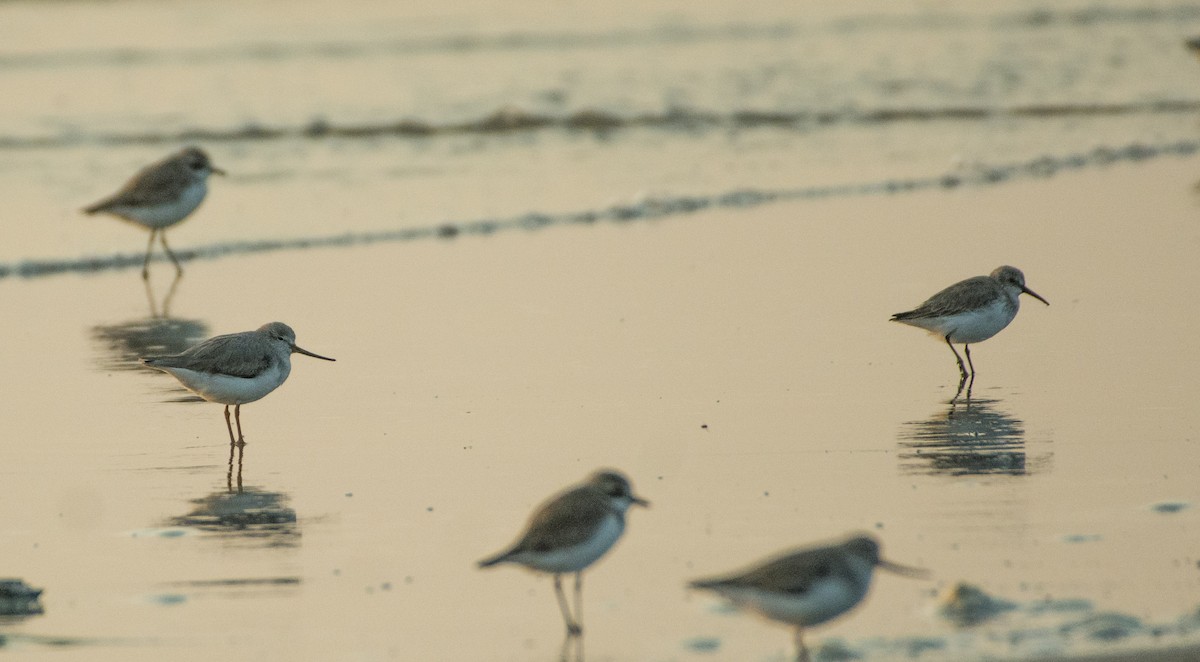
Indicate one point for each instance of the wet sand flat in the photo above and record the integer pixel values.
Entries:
(743, 374)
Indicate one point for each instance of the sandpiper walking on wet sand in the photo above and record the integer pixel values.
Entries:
(571, 531)
(807, 586)
(236, 368)
(971, 311)
(161, 195)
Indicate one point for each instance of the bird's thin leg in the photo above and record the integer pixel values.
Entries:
(232, 441)
(801, 649)
(967, 349)
(962, 370)
(970, 385)
(146, 262)
(237, 415)
(572, 627)
(162, 237)
(579, 600)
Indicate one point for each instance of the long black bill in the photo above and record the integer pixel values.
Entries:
(1033, 294)
(297, 348)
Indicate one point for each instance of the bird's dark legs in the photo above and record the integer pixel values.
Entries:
(237, 415)
(579, 600)
(162, 237)
(228, 426)
(146, 262)
(971, 383)
(573, 628)
(963, 374)
(962, 370)
(801, 649)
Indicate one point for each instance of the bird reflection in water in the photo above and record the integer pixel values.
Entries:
(572, 648)
(124, 342)
(166, 301)
(245, 514)
(971, 437)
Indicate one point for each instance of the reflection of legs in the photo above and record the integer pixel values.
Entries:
(229, 471)
(146, 263)
(229, 427)
(801, 649)
(962, 370)
(239, 479)
(572, 649)
(237, 415)
(572, 627)
(162, 237)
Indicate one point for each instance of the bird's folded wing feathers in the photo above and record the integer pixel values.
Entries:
(236, 355)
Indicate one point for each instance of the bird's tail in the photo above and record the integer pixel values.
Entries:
(708, 584)
(499, 558)
(96, 208)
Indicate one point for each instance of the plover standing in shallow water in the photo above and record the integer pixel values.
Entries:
(236, 368)
(571, 531)
(971, 311)
(161, 195)
(807, 586)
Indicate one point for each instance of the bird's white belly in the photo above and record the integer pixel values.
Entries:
(980, 324)
(229, 390)
(165, 215)
(968, 327)
(826, 599)
(574, 559)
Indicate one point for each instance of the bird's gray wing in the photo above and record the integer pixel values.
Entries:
(794, 573)
(236, 354)
(566, 520)
(962, 296)
(156, 184)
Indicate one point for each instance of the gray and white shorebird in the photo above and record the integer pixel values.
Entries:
(236, 368)
(571, 531)
(971, 311)
(161, 195)
(807, 586)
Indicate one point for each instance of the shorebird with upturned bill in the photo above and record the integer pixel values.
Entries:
(971, 311)
(807, 586)
(236, 368)
(161, 195)
(571, 531)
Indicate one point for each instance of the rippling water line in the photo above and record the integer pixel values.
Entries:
(513, 120)
(616, 38)
(650, 209)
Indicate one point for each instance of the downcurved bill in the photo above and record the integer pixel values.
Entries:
(1033, 294)
(297, 348)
